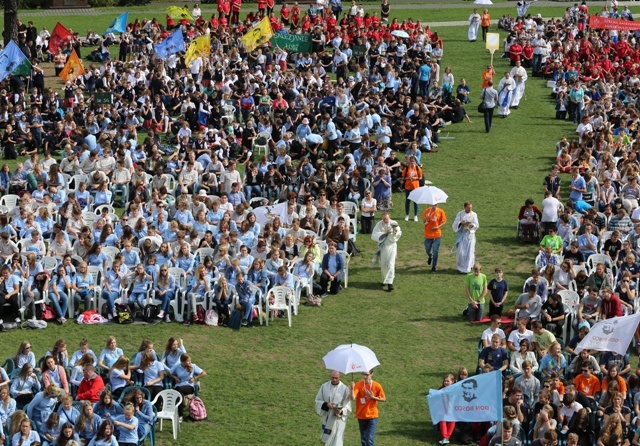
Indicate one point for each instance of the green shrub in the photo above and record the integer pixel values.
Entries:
(101, 3)
(133, 2)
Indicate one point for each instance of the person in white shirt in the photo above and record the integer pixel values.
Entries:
(494, 328)
(519, 334)
(196, 12)
(551, 208)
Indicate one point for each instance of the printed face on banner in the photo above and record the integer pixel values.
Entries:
(469, 390)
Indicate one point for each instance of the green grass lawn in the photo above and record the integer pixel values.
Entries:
(262, 382)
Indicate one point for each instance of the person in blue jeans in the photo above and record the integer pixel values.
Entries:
(367, 393)
(247, 297)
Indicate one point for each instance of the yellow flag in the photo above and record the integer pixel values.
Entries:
(258, 35)
(200, 46)
(72, 69)
(177, 13)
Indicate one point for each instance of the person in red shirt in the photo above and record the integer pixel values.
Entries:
(236, 6)
(214, 23)
(527, 54)
(295, 14)
(224, 8)
(515, 53)
(91, 385)
(262, 7)
(285, 14)
(611, 305)
(270, 5)
(170, 22)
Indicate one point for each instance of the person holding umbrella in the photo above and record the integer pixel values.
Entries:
(434, 219)
(367, 393)
(333, 404)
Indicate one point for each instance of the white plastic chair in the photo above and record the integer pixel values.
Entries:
(228, 113)
(89, 217)
(594, 259)
(74, 182)
(347, 258)
(282, 297)
(201, 253)
(257, 147)
(9, 200)
(171, 182)
(171, 399)
(67, 180)
(111, 251)
(98, 210)
(49, 263)
(351, 209)
(570, 299)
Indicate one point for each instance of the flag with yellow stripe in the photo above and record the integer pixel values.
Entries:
(258, 35)
(200, 46)
(73, 68)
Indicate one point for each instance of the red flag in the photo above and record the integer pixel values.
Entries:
(59, 38)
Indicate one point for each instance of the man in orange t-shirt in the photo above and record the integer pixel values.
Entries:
(587, 383)
(434, 219)
(366, 394)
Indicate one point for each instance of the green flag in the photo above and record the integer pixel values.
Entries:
(24, 69)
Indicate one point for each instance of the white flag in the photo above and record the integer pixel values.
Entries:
(612, 335)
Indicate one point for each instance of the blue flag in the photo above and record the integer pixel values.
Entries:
(119, 24)
(172, 44)
(478, 398)
(10, 59)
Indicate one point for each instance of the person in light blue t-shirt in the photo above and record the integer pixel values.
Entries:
(126, 426)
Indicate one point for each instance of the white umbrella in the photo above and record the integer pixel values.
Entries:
(428, 195)
(351, 358)
(400, 33)
(483, 2)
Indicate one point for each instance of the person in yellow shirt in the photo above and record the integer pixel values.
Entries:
(434, 219)
(367, 393)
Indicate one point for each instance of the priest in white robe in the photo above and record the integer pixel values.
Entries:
(519, 76)
(505, 92)
(333, 404)
(465, 225)
(387, 232)
(474, 25)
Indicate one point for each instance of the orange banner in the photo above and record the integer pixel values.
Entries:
(72, 69)
(596, 21)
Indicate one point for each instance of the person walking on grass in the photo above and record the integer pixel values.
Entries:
(333, 404)
(434, 219)
(387, 232)
(489, 99)
(367, 393)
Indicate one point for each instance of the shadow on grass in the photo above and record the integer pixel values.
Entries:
(410, 429)
(370, 285)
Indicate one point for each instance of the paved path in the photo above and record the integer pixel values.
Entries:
(426, 4)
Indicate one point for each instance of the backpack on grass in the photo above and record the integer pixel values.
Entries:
(196, 407)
